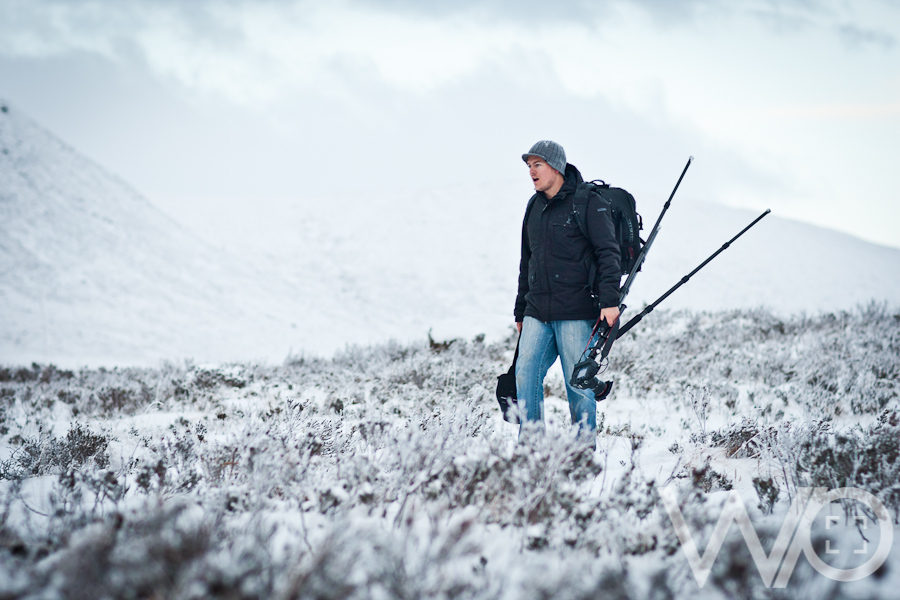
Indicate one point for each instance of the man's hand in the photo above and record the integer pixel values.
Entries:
(519, 326)
(611, 314)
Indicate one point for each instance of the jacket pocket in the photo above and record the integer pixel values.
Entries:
(566, 241)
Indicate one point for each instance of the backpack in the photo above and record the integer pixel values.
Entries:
(627, 223)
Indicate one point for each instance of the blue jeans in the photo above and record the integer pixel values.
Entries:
(539, 345)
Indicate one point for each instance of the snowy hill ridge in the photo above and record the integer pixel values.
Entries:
(92, 273)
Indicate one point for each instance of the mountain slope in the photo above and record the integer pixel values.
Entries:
(92, 272)
(448, 258)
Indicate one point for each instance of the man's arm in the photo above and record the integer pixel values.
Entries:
(519, 310)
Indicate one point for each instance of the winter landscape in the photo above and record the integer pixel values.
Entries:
(383, 468)
(257, 272)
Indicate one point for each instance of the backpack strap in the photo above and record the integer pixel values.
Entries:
(582, 197)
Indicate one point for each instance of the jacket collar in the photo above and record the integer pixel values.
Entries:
(573, 178)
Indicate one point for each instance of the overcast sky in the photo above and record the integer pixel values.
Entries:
(792, 105)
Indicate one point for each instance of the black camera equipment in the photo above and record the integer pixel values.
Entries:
(584, 375)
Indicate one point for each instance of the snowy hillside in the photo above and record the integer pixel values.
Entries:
(783, 265)
(448, 258)
(92, 273)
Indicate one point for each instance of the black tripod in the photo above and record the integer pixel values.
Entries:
(585, 374)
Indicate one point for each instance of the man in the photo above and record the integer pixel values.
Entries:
(566, 280)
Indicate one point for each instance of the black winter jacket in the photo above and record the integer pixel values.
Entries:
(555, 268)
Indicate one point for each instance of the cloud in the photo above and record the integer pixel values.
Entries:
(837, 111)
(258, 52)
(262, 52)
(746, 75)
(861, 37)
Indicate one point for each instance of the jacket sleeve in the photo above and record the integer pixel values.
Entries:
(519, 310)
(606, 251)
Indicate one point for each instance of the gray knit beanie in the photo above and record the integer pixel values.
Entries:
(552, 152)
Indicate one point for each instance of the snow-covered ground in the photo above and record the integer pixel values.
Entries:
(387, 471)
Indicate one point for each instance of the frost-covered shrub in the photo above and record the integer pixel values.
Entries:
(457, 367)
(6, 398)
(119, 391)
(866, 458)
(44, 454)
(116, 399)
(208, 378)
(386, 472)
(832, 364)
(704, 478)
(744, 439)
(153, 555)
(534, 483)
(768, 493)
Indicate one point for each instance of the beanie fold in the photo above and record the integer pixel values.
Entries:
(551, 152)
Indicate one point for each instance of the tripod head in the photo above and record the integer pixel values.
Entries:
(584, 375)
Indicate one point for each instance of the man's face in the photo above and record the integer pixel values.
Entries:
(542, 174)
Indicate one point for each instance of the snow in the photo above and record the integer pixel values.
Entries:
(390, 468)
